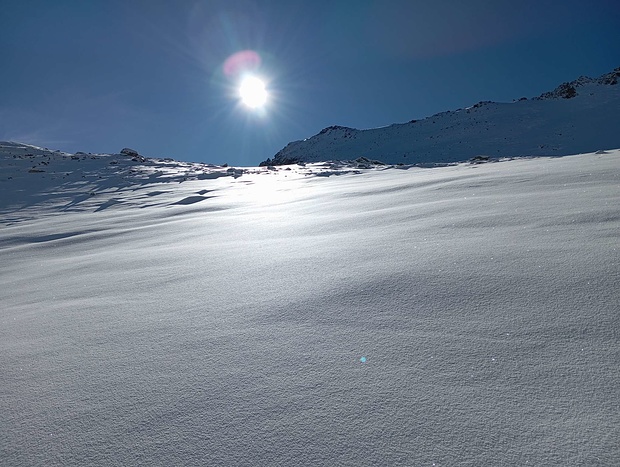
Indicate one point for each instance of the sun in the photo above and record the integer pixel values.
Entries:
(252, 92)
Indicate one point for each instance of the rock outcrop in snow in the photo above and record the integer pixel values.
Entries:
(578, 116)
(573, 88)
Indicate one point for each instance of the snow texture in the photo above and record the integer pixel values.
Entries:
(164, 313)
(577, 117)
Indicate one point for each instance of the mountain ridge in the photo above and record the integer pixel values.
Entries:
(576, 117)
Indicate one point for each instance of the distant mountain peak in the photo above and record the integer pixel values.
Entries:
(570, 89)
(578, 116)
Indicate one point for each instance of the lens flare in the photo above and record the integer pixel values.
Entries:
(241, 62)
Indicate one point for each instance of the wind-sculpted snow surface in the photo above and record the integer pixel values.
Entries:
(461, 315)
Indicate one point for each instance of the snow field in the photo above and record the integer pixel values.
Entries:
(226, 328)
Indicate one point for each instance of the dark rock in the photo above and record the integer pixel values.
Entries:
(129, 152)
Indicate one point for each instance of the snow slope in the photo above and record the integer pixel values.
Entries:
(161, 313)
(580, 116)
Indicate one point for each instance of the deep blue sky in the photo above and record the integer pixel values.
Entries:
(97, 76)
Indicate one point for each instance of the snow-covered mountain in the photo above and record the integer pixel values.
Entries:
(156, 312)
(580, 116)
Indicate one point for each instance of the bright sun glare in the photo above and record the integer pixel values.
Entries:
(252, 92)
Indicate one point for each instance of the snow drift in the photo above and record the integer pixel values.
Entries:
(162, 313)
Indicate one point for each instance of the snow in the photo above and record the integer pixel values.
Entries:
(164, 313)
(548, 125)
